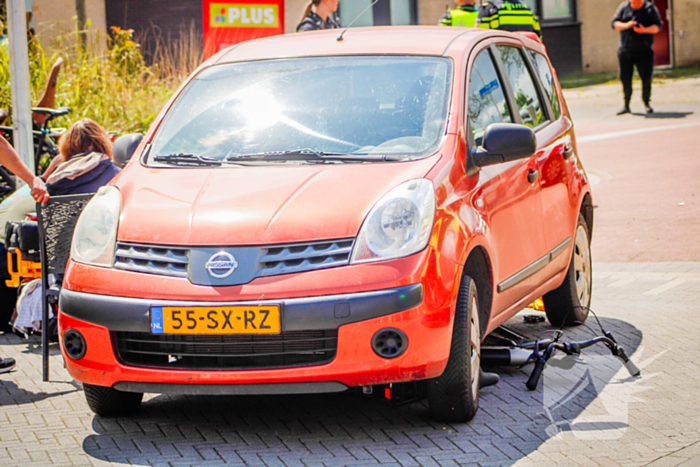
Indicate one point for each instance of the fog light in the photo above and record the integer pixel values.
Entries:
(389, 343)
(74, 344)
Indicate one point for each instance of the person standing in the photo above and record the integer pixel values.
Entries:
(11, 160)
(637, 21)
(463, 16)
(320, 14)
(507, 15)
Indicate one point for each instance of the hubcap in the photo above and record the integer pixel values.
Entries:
(475, 347)
(582, 266)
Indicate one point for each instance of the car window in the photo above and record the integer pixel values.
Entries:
(529, 106)
(487, 102)
(547, 78)
(357, 105)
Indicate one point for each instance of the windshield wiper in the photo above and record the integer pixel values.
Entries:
(305, 155)
(188, 159)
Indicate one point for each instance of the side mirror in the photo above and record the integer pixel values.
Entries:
(503, 142)
(124, 148)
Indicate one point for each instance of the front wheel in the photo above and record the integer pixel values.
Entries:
(111, 402)
(454, 395)
(568, 304)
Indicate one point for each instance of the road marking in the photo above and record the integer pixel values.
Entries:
(627, 278)
(667, 286)
(618, 134)
(623, 278)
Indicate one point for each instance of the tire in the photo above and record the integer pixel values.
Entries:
(564, 305)
(110, 402)
(454, 395)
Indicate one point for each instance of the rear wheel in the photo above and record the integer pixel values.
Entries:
(565, 304)
(108, 401)
(454, 395)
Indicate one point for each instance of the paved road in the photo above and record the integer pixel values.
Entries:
(645, 170)
(593, 414)
(605, 418)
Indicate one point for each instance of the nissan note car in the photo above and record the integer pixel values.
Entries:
(311, 213)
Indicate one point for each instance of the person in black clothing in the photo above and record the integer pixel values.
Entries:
(637, 21)
(320, 14)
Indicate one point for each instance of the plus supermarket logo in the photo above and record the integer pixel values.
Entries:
(244, 15)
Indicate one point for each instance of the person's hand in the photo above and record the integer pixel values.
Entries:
(631, 25)
(39, 192)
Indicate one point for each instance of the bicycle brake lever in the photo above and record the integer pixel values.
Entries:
(609, 336)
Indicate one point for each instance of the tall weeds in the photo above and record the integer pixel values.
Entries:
(112, 86)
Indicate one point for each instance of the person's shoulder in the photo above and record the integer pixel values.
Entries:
(649, 6)
(490, 7)
(307, 24)
(106, 166)
(622, 9)
(334, 20)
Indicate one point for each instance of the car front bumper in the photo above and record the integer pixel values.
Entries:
(423, 310)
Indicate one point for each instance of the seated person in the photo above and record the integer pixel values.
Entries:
(86, 165)
(86, 152)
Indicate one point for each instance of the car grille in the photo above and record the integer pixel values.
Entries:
(227, 352)
(274, 260)
(152, 259)
(301, 257)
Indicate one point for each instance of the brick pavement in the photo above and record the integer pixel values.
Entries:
(605, 417)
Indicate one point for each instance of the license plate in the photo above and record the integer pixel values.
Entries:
(216, 320)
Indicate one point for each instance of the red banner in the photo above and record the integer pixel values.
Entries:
(230, 22)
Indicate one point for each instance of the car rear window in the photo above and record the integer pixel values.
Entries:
(360, 105)
(547, 78)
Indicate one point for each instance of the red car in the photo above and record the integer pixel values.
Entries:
(310, 214)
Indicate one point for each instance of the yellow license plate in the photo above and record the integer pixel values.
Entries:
(216, 320)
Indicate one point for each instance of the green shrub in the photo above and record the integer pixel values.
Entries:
(111, 85)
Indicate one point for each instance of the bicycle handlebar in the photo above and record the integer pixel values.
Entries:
(574, 348)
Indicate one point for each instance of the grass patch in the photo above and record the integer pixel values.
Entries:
(611, 77)
(587, 79)
(112, 86)
(676, 73)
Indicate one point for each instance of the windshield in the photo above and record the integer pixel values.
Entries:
(395, 106)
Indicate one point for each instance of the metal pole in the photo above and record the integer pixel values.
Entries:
(19, 82)
(82, 22)
(44, 290)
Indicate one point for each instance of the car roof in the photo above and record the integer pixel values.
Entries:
(401, 40)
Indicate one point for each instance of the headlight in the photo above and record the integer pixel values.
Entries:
(399, 225)
(95, 235)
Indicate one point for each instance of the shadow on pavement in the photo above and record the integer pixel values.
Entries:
(10, 393)
(34, 346)
(663, 115)
(345, 428)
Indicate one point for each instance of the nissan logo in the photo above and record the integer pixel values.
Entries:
(221, 265)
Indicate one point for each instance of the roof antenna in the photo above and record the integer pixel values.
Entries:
(340, 37)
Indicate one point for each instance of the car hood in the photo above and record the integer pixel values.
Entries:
(254, 205)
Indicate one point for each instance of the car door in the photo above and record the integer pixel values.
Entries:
(556, 166)
(508, 195)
